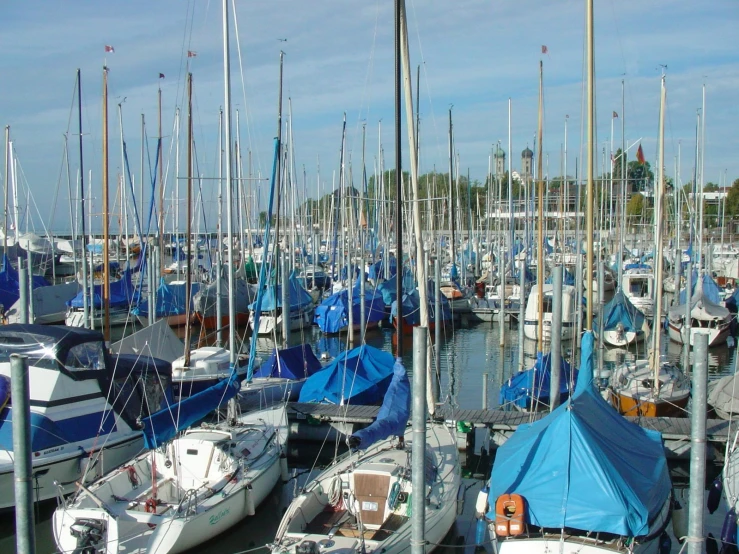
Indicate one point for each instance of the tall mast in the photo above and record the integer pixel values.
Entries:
(188, 225)
(229, 189)
(5, 181)
(658, 270)
(161, 186)
(590, 156)
(106, 237)
(83, 233)
(540, 236)
(398, 186)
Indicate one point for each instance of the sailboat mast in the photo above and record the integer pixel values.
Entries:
(106, 237)
(5, 182)
(658, 270)
(540, 236)
(161, 186)
(278, 174)
(398, 185)
(83, 234)
(188, 226)
(229, 190)
(590, 155)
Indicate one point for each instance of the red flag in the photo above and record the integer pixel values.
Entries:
(191, 54)
(109, 48)
(161, 75)
(544, 49)
(640, 155)
(615, 114)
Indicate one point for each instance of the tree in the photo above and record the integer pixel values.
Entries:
(635, 208)
(640, 176)
(732, 201)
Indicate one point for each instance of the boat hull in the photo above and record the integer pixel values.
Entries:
(630, 406)
(613, 337)
(716, 335)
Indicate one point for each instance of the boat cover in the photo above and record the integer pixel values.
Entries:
(121, 294)
(394, 412)
(533, 384)
(702, 307)
(296, 362)
(332, 315)
(358, 376)
(584, 466)
(377, 269)
(709, 286)
(164, 425)
(723, 395)
(620, 310)
(297, 296)
(412, 303)
(10, 286)
(567, 278)
(170, 299)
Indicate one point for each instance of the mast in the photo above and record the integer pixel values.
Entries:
(452, 207)
(590, 156)
(540, 235)
(229, 190)
(188, 226)
(161, 186)
(398, 185)
(106, 236)
(624, 182)
(658, 271)
(5, 182)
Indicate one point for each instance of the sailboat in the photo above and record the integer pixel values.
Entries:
(652, 387)
(193, 484)
(564, 484)
(362, 502)
(706, 317)
(623, 323)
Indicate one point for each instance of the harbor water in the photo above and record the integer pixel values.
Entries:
(467, 354)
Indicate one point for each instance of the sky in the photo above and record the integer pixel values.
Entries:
(474, 55)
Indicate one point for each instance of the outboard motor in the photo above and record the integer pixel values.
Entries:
(89, 534)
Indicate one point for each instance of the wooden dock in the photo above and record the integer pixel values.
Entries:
(675, 430)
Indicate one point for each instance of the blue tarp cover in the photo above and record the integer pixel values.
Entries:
(164, 425)
(170, 299)
(527, 386)
(620, 310)
(332, 315)
(710, 288)
(394, 412)
(296, 362)
(377, 269)
(584, 466)
(412, 303)
(358, 376)
(297, 296)
(121, 294)
(9, 284)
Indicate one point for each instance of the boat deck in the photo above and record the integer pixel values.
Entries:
(344, 524)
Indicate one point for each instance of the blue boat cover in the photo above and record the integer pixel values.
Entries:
(567, 278)
(412, 303)
(296, 362)
(377, 269)
(620, 310)
(297, 296)
(332, 315)
(121, 294)
(394, 412)
(358, 376)
(10, 286)
(710, 288)
(164, 425)
(584, 466)
(531, 385)
(388, 290)
(170, 299)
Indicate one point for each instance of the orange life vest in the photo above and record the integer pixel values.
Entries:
(509, 515)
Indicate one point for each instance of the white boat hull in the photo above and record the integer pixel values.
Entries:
(716, 335)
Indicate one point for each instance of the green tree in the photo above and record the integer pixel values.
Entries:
(636, 208)
(640, 176)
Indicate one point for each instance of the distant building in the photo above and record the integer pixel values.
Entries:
(527, 161)
(499, 157)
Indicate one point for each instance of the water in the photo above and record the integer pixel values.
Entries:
(466, 354)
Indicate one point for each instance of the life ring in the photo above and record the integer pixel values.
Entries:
(151, 508)
(510, 512)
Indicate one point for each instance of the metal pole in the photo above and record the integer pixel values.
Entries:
(418, 502)
(29, 287)
(688, 304)
(437, 327)
(362, 289)
(698, 445)
(25, 538)
(522, 306)
(484, 391)
(556, 351)
(398, 223)
(150, 292)
(502, 279)
(601, 303)
(285, 300)
(23, 290)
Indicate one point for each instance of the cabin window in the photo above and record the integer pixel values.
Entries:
(39, 354)
(86, 356)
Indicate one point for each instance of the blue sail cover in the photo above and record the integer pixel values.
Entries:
(412, 303)
(358, 376)
(584, 466)
(164, 425)
(297, 296)
(621, 310)
(170, 300)
(710, 288)
(332, 315)
(377, 269)
(527, 387)
(10, 286)
(121, 294)
(394, 412)
(296, 362)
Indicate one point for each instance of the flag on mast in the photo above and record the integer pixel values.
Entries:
(191, 54)
(544, 49)
(161, 75)
(615, 115)
(640, 155)
(109, 48)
